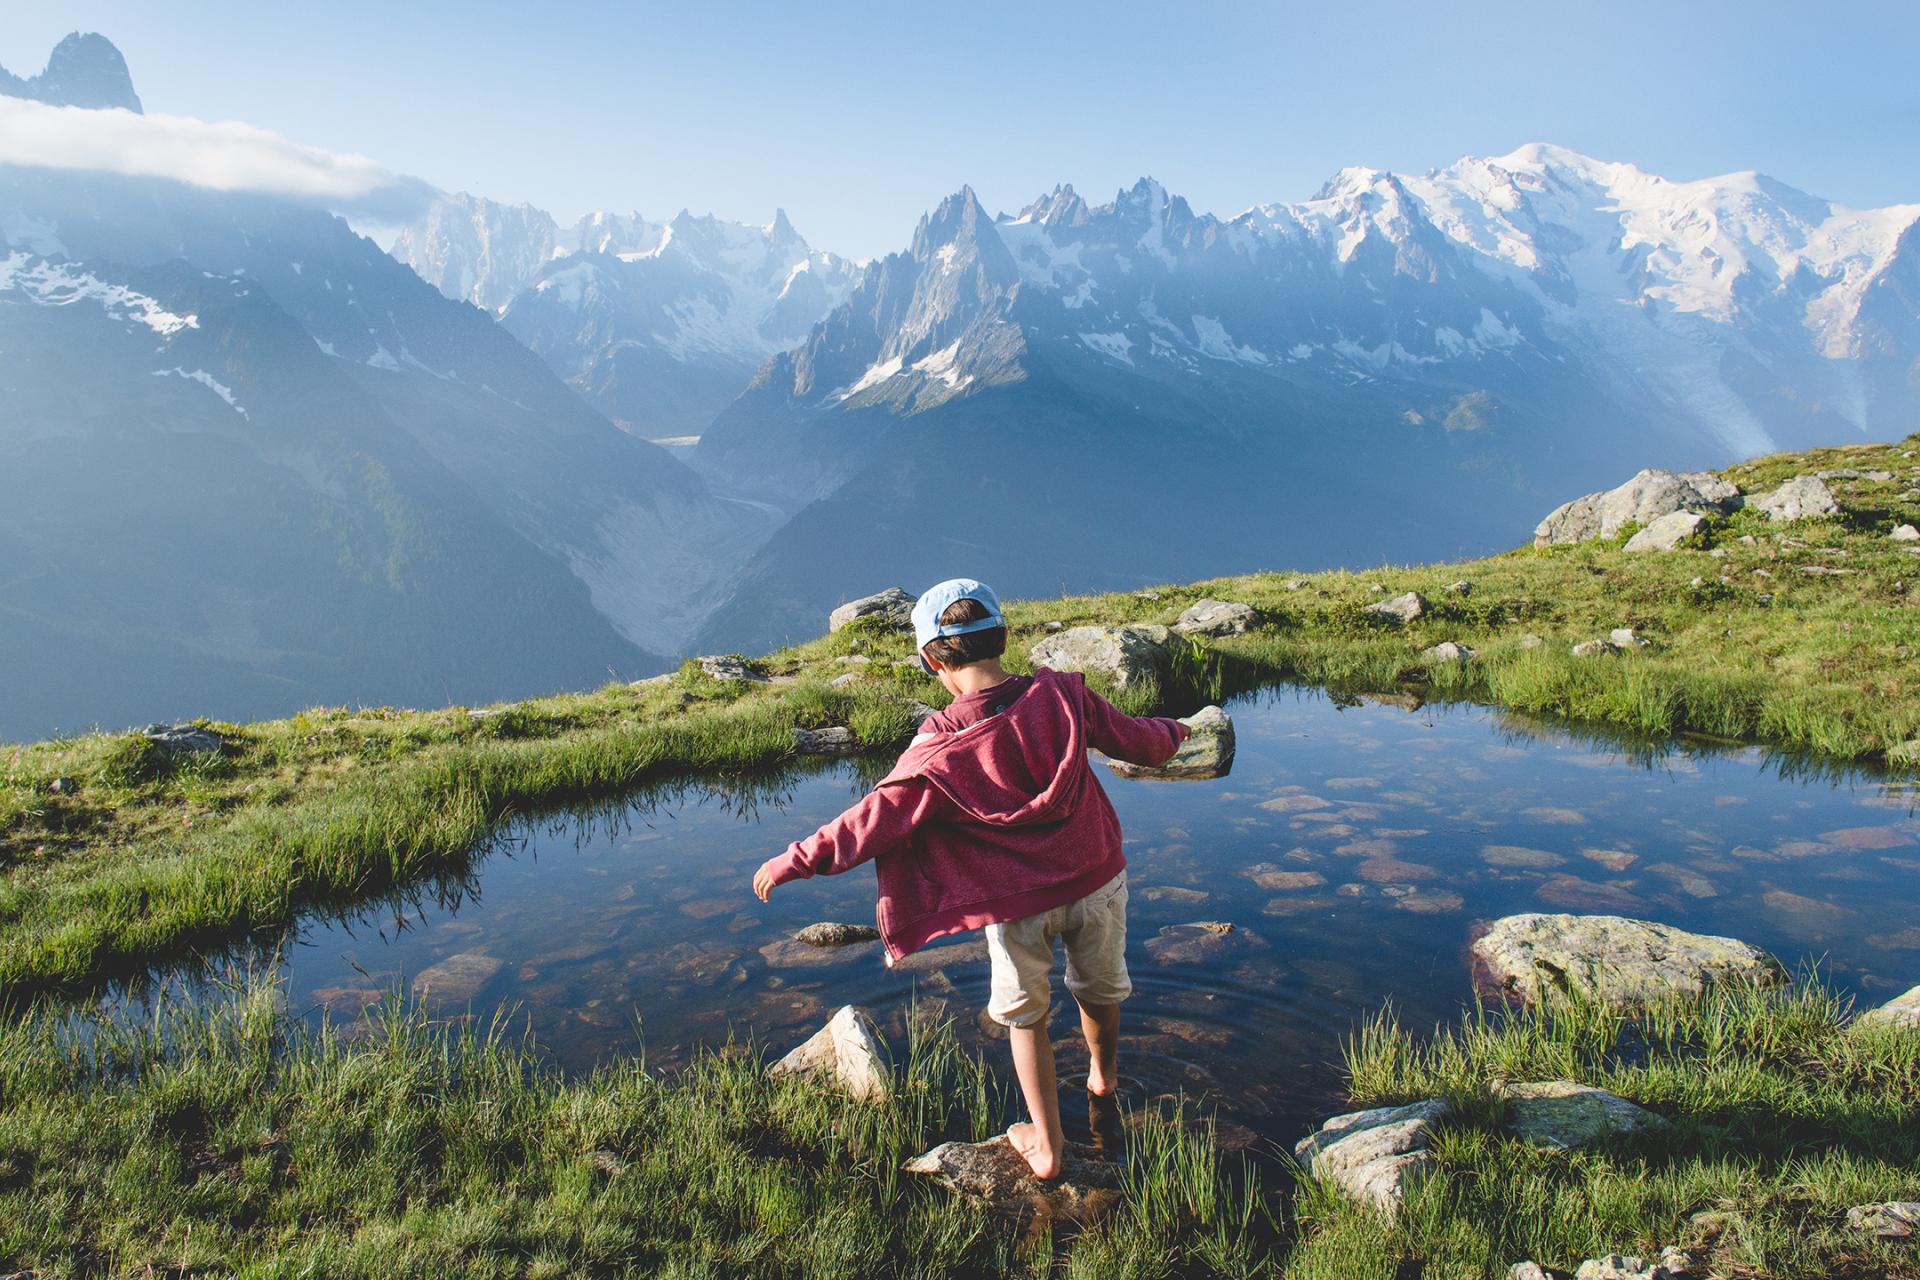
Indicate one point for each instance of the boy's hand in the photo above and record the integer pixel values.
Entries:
(762, 882)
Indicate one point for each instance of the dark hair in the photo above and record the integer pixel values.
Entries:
(975, 646)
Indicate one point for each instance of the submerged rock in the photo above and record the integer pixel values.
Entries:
(846, 1054)
(1619, 961)
(1374, 1156)
(833, 934)
(1126, 655)
(1401, 609)
(993, 1173)
(1198, 942)
(1643, 500)
(1560, 1114)
(1207, 753)
(892, 607)
(1216, 618)
(1901, 1011)
(1801, 498)
(457, 979)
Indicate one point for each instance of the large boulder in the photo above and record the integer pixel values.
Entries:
(1402, 608)
(1901, 1011)
(1642, 500)
(1667, 533)
(1374, 1156)
(846, 1053)
(1618, 961)
(1559, 1114)
(1125, 655)
(993, 1173)
(1207, 753)
(1801, 498)
(185, 739)
(890, 608)
(1216, 618)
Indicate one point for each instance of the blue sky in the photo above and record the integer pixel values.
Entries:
(858, 117)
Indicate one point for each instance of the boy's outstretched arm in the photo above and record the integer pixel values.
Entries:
(882, 822)
(1149, 741)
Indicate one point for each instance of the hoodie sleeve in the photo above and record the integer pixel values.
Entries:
(881, 823)
(1149, 741)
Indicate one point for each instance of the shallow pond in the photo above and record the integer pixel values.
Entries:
(1353, 848)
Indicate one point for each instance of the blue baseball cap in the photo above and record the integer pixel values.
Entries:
(934, 601)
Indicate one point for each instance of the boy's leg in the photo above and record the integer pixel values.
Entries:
(1100, 1024)
(1021, 952)
(1043, 1142)
(1096, 939)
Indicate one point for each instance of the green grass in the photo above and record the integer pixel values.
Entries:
(1783, 1115)
(133, 859)
(226, 1139)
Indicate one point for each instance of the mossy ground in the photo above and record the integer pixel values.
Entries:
(114, 856)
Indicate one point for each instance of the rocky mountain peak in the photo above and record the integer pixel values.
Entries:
(85, 70)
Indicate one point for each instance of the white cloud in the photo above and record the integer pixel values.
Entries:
(224, 156)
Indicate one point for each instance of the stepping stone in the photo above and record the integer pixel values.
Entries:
(996, 1175)
(846, 1054)
(1207, 753)
(834, 934)
(1623, 962)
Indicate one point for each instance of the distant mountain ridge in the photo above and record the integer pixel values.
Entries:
(85, 70)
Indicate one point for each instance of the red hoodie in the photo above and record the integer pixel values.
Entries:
(990, 815)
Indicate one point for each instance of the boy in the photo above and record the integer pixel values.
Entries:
(992, 819)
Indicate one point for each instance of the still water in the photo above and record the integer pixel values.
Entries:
(1352, 849)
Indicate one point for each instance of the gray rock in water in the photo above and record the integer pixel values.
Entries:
(846, 1054)
(1801, 498)
(457, 979)
(1216, 618)
(1402, 608)
(1642, 500)
(831, 934)
(730, 666)
(1208, 753)
(1126, 655)
(1893, 1220)
(185, 739)
(1668, 532)
(836, 740)
(1560, 1114)
(1447, 651)
(1901, 1011)
(1374, 1156)
(1619, 961)
(892, 607)
(993, 1173)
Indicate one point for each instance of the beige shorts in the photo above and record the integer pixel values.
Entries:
(1095, 930)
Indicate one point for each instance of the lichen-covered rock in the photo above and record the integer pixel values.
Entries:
(1668, 532)
(1801, 498)
(836, 740)
(1216, 618)
(993, 1173)
(1901, 1011)
(1207, 753)
(1374, 1155)
(1619, 961)
(1893, 1220)
(1593, 649)
(1401, 609)
(1642, 500)
(846, 1053)
(729, 666)
(185, 739)
(1561, 1113)
(892, 608)
(1125, 655)
(833, 934)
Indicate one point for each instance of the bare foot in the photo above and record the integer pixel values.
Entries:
(1098, 1086)
(1041, 1156)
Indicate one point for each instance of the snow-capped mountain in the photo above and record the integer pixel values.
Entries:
(658, 325)
(1464, 344)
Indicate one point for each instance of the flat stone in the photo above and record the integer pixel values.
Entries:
(1401, 609)
(1901, 1011)
(1560, 1114)
(1173, 893)
(1513, 855)
(185, 739)
(1270, 877)
(1447, 651)
(1577, 894)
(1198, 942)
(835, 740)
(1891, 1220)
(844, 679)
(793, 953)
(1623, 962)
(1216, 618)
(890, 608)
(1667, 533)
(1801, 498)
(457, 979)
(846, 1054)
(1126, 655)
(1644, 499)
(834, 934)
(996, 1175)
(1207, 752)
(1374, 1155)
(1593, 649)
(730, 666)
(1430, 902)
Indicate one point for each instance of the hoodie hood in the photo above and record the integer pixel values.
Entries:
(1025, 766)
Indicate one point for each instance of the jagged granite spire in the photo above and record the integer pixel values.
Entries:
(85, 70)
